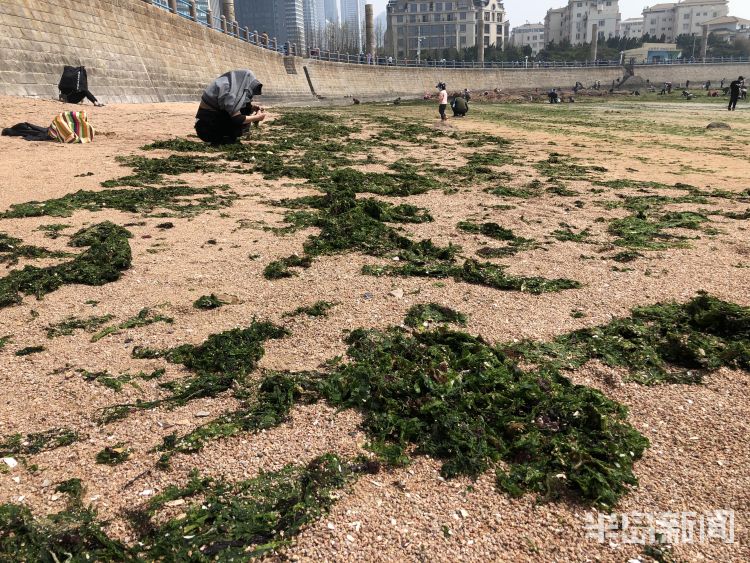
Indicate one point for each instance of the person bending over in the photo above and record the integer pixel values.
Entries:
(226, 110)
(74, 86)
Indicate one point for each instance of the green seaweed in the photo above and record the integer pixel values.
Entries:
(148, 171)
(207, 302)
(317, 309)
(144, 317)
(558, 166)
(426, 314)
(113, 455)
(12, 250)
(117, 382)
(69, 325)
(662, 343)
(182, 200)
(28, 350)
(18, 444)
(567, 234)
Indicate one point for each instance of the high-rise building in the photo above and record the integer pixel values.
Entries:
(436, 26)
(282, 19)
(331, 11)
(353, 20)
(574, 22)
(530, 34)
(682, 18)
(312, 23)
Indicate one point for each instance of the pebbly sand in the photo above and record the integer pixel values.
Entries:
(699, 460)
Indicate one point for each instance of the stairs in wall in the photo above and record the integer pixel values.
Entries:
(289, 65)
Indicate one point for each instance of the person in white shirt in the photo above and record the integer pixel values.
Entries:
(442, 100)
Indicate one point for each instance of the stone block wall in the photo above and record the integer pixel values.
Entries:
(137, 52)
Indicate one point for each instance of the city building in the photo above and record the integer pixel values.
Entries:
(652, 53)
(681, 18)
(331, 11)
(729, 28)
(631, 28)
(553, 26)
(282, 19)
(353, 20)
(530, 34)
(313, 32)
(416, 27)
(574, 22)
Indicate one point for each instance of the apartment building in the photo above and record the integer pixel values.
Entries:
(414, 26)
(631, 28)
(530, 34)
(282, 19)
(575, 21)
(682, 18)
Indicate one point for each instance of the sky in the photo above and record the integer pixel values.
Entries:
(521, 11)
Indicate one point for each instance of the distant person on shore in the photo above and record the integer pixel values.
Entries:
(442, 100)
(734, 92)
(74, 86)
(467, 95)
(460, 106)
(226, 110)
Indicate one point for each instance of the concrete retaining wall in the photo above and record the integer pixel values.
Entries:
(136, 52)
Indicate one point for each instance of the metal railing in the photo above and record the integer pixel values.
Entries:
(188, 9)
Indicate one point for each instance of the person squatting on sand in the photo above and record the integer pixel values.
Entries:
(442, 100)
(226, 110)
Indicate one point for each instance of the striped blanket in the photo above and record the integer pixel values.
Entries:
(71, 127)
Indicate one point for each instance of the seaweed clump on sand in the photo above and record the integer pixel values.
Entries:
(107, 256)
(219, 363)
(662, 343)
(30, 444)
(426, 314)
(457, 398)
(227, 522)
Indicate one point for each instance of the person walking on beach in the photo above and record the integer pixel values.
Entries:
(734, 92)
(442, 100)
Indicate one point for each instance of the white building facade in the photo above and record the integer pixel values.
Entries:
(631, 28)
(530, 34)
(414, 26)
(682, 18)
(574, 22)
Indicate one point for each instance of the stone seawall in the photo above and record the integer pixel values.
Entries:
(136, 52)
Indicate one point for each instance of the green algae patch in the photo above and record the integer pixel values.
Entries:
(228, 522)
(117, 382)
(30, 444)
(113, 455)
(462, 401)
(107, 256)
(426, 314)
(641, 232)
(69, 325)
(558, 166)
(182, 200)
(207, 302)
(29, 350)
(12, 249)
(148, 171)
(317, 309)
(219, 363)
(662, 343)
(144, 317)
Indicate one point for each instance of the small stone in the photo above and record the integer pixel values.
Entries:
(349, 538)
(16, 479)
(367, 296)
(331, 526)
(177, 502)
(718, 125)
(146, 492)
(202, 414)
(463, 513)
(10, 462)
(397, 293)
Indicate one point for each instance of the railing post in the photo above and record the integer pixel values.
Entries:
(193, 11)
(274, 44)
(173, 6)
(223, 21)
(236, 29)
(209, 18)
(246, 33)
(294, 49)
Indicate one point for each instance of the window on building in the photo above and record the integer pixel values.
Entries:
(462, 28)
(425, 18)
(500, 30)
(424, 7)
(448, 7)
(486, 28)
(439, 7)
(463, 40)
(486, 41)
(462, 15)
(413, 19)
(602, 23)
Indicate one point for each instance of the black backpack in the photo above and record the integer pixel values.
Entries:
(73, 79)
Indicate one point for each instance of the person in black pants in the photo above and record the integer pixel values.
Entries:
(226, 110)
(734, 92)
(76, 97)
